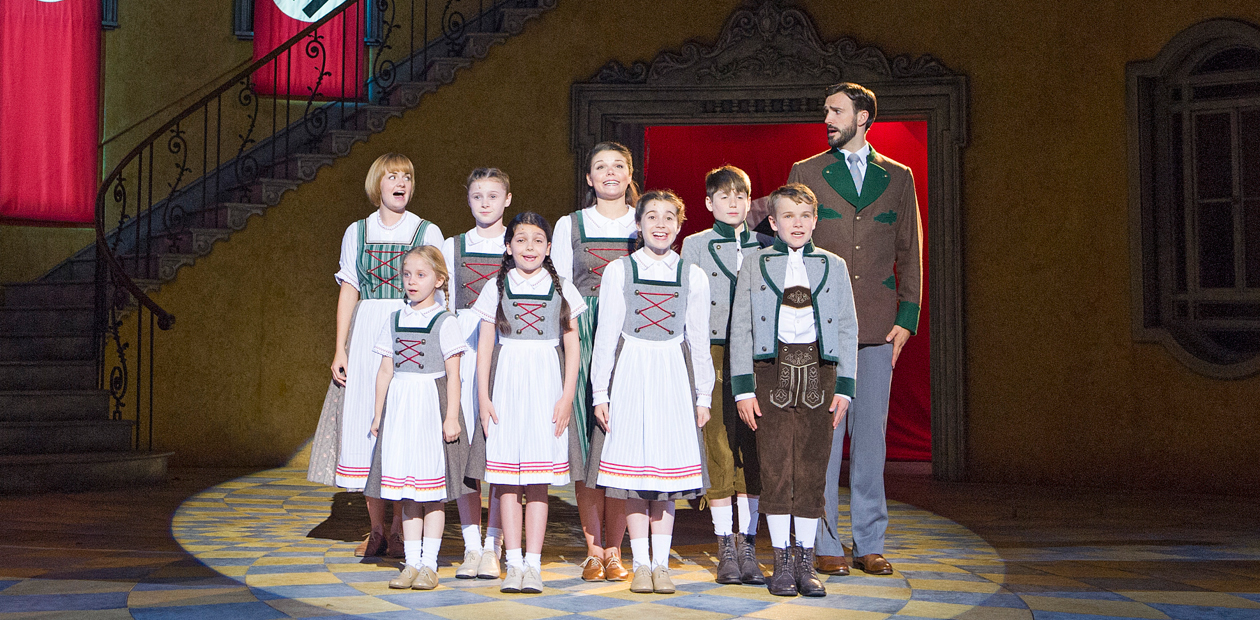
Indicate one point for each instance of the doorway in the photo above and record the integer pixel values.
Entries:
(678, 156)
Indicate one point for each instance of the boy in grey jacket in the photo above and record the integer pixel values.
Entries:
(793, 360)
(730, 446)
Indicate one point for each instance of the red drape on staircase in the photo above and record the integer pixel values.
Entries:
(677, 157)
(49, 110)
(334, 64)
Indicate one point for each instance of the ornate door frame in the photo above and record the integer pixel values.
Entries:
(770, 66)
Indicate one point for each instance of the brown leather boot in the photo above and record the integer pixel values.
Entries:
(728, 562)
(783, 582)
(749, 569)
(807, 581)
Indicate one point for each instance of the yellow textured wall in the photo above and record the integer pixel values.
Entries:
(1058, 392)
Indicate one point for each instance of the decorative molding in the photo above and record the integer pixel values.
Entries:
(770, 42)
(243, 19)
(109, 14)
(770, 66)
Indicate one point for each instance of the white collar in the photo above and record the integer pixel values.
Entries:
(797, 255)
(864, 153)
(515, 276)
(380, 222)
(603, 220)
(423, 313)
(643, 256)
(473, 240)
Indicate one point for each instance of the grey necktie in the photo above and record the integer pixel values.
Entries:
(853, 159)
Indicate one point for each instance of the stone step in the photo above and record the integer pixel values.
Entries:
(47, 320)
(54, 436)
(50, 405)
(301, 166)
(80, 471)
(479, 43)
(514, 19)
(48, 375)
(31, 348)
(408, 94)
(372, 118)
(47, 294)
(338, 141)
(191, 241)
(443, 70)
(264, 190)
(157, 266)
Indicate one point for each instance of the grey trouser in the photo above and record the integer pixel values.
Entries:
(866, 426)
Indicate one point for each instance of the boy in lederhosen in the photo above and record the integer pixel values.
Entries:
(730, 446)
(793, 361)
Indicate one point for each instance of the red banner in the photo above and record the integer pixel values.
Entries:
(49, 109)
(678, 158)
(331, 65)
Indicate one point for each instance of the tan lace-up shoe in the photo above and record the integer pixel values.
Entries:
(472, 562)
(661, 583)
(406, 578)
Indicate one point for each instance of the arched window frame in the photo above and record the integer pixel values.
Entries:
(1213, 329)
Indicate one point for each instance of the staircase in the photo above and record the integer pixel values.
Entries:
(73, 414)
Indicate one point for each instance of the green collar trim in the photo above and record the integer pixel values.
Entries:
(678, 270)
(840, 179)
(581, 230)
(462, 245)
(507, 292)
(782, 246)
(417, 330)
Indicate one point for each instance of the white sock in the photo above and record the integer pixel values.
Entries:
(430, 553)
(412, 550)
(514, 558)
(748, 514)
(472, 537)
(639, 556)
(806, 531)
(494, 541)
(722, 519)
(534, 560)
(780, 530)
(660, 549)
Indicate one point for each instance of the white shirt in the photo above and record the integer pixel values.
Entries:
(449, 338)
(594, 225)
(377, 232)
(487, 305)
(863, 153)
(612, 313)
(475, 243)
(796, 325)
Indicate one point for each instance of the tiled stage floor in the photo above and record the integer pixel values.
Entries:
(224, 545)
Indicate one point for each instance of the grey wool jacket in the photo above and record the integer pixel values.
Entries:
(755, 314)
(715, 252)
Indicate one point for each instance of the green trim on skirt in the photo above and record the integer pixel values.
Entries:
(583, 412)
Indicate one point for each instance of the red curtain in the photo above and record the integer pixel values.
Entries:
(338, 71)
(49, 110)
(677, 157)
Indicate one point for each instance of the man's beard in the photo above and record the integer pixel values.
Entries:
(842, 135)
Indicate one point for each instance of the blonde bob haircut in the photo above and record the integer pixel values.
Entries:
(389, 162)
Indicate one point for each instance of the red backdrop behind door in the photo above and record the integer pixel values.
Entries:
(677, 157)
(49, 76)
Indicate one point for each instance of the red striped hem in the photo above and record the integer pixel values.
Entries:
(647, 471)
(413, 483)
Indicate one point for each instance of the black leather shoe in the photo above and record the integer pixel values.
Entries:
(728, 564)
(783, 582)
(749, 569)
(807, 581)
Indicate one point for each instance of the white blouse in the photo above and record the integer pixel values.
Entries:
(612, 313)
(377, 232)
(451, 341)
(487, 305)
(594, 225)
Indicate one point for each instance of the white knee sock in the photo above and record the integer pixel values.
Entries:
(780, 530)
(513, 557)
(472, 537)
(639, 552)
(806, 531)
(494, 541)
(747, 514)
(412, 552)
(722, 519)
(534, 560)
(660, 549)
(430, 552)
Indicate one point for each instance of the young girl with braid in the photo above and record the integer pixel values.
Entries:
(587, 241)
(421, 448)
(526, 383)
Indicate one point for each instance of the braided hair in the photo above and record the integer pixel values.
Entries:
(532, 219)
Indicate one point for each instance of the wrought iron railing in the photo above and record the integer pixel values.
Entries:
(232, 153)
